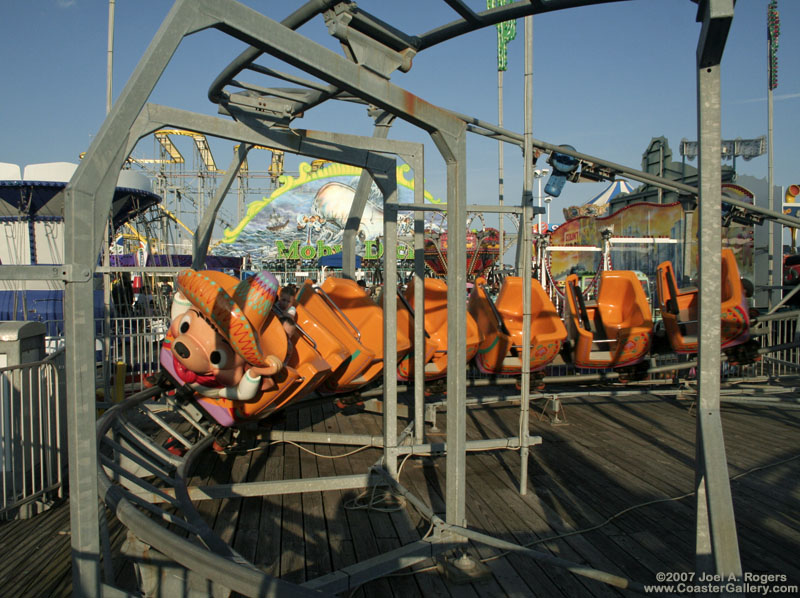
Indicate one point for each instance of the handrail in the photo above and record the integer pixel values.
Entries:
(330, 302)
(493, 307)
(410, 309)
(283, 314)
(583, 313)
(31, 427)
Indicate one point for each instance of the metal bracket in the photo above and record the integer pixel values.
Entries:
(75, 273)
(274, 110)
(365, 50)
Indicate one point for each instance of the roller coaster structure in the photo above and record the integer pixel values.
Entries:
(374, 51)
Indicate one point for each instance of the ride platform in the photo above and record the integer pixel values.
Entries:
(615, 454)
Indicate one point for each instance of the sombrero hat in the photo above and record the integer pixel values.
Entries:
(237, 309)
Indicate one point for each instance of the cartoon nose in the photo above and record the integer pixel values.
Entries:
(182, 351)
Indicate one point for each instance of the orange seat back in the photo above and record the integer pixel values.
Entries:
(365, 315)
(622, 302)
(544, 317)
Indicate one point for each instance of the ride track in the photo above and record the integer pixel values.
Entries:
(375, 49)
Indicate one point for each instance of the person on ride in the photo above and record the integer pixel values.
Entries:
(287, 311)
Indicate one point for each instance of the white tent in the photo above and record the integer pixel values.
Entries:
(610, 193)
(614, 189)
(598, 205)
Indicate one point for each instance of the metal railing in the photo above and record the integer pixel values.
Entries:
(786, 361)
(136, 343)
(32, 436)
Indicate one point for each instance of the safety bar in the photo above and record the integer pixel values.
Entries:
(335, 307)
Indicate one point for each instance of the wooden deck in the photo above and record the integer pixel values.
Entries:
(613, 455)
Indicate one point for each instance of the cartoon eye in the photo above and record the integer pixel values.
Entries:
(185, 323)
(218, 359)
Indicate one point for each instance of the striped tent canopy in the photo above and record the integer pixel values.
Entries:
(610, 193)
(598, 205)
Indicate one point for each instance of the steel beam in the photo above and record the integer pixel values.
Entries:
(202, 236)
(454, 150)
(349, 149)
(480, 127)
(717, 547)
(383, 122)
(353, 576)
(524, 241)
(87, 199)
(270, 488)
(388, 187)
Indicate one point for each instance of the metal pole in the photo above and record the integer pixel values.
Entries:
(109, 230)
(388, 187)
(110, 55)
(500, 160)
(205, 227)
(717, 546)
(771, 260)
(454, 150)
(539, 201)
(383, 122)
(419, 303)
(524, 238)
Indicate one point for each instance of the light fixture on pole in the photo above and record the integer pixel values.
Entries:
(547, 201)
(539, 174)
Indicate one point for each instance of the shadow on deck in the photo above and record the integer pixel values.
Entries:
(621, 473)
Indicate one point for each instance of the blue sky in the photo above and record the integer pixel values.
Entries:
(607, 79)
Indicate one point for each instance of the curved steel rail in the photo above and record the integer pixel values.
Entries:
(217, 562)
(388, 35)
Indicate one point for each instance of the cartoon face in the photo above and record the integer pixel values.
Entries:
(198, 347)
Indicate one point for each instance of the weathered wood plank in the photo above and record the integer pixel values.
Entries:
(365, 540)
(268, 550)
(293, 546)
(315, 529)
(616, 452)
(342, 553)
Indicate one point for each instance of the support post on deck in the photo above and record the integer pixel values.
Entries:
(387, 183)
(454, 150)
(717, 547)
(524, 241)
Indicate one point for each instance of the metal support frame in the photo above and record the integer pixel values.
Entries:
(88, 199)
(202, 236)
(524, 240)
(383, 122)
(717, 547)
(489, 130)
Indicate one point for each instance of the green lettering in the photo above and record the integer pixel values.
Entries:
(291, 254)
(323, 250)
(307, 252)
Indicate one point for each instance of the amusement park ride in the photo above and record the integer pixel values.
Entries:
(228, 361)
(338, 344)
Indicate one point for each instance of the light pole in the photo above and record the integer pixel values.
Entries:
(506, 31)
(547, 201)
(539, 174)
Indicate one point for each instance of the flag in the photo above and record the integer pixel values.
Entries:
(506, 31)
